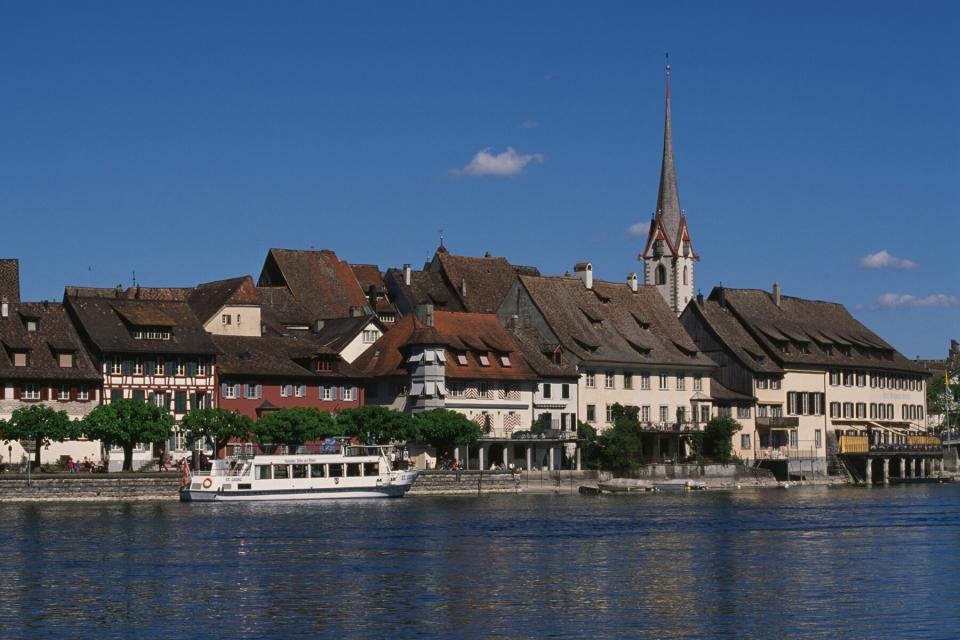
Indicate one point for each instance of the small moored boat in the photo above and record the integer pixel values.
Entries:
(679, 485)
(348, 471)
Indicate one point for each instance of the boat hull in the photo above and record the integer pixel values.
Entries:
(276, 495)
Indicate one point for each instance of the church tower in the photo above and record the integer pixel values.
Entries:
(668, 257)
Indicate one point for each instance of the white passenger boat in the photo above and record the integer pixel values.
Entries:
(349, 471)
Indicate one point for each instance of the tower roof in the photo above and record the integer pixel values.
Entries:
(668, 198)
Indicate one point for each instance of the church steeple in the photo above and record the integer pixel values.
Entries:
(668, 256)
(668, 198)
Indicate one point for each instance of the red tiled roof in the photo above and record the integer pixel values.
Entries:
(319, 281)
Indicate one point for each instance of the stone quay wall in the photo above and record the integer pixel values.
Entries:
(89, 487)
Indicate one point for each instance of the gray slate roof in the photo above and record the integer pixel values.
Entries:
(611, 323)
(825, 328)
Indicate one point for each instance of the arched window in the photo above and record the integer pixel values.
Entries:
(684, 275)
(661, 275)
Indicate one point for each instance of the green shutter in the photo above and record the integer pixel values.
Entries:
(171, 367)
(193, 401)
(128, 367)
(191, 369)
(138, 394)
(150, 367)
(180, 402)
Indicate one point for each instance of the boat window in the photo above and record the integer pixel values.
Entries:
(281, 471)
(336, 471)
(371, 468)
(317, 471)
(299, 471)
(353, 468)
(263, 472)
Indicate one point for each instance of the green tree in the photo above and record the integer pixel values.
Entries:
(376, 424)
(589, 447)
(938, 402)
(40, 424)
(621, 447)
(715, 442)
(124, 423)
(294, 426)
(541, 425)
(215, 426)
(444, 429)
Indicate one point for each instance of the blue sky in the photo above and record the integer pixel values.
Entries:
(181, 140)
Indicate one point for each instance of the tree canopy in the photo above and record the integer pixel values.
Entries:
(375, 424)
(215, 426)
(124, 423)
(40, 424)
(294, 426)
(715, 442)
(620, 447)
(445, 429)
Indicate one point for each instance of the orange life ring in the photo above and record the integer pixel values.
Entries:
(207, 483)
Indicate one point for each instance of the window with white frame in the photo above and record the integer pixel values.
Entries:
(31, 391)
(370, 336)
(697, 383)
(835, 378)
(774, 383)
(664, 413)
(301, 391)
(627, 380)
(348, 393)
(160, 398)
(201, 368)
(181, 367)
(762, 382)
(286, 390)
(138, 367)
(116, 367)
(834, 409)
(63, 392)
(664, 382)
(744, 440)
(681, 382)
(776, 411)
(483, 390)
(763, 411)
(456, 389)
(326, 392)
(609, 416)
(609, 381)
(83, 393)
(645, 382)
(847, 409)
(645, 413)
(743, 411)
(861, 410)
(861, 379)
(590, 380)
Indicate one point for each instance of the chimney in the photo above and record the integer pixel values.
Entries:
(463, 287)
(355, 311)
(406, 274)
(721, 296)
(700, 298)
(318, 326)
(584, 271)
(424, 313)
(4, 308)
(632, 281)
(776, 293)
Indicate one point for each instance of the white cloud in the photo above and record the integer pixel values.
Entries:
(884, 260)
(639, 229)
(508, 163)
(529, 124)
(899, 300)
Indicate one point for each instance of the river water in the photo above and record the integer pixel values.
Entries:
(805, 562)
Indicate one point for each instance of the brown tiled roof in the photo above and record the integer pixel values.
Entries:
(168, 294)
(208, 298)
(373, 286)
(279, 357)
(813, 323)
(279, 310)
(10, 279)
(337, 333)
(611, 323)
(470, 334)
(539, 355)
(487, 279)
(108, 324)
(320, 282)
(425, 287)
(55, 333)
(736, 340)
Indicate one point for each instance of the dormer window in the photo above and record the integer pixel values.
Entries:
(32, 324)
(151, 333)
(323, 365)
(484, 360)
(505, 360)
(65, 360)
(19, 358)
(225, 319)
(461, 359)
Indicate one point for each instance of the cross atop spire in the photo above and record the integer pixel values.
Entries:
(668, 198)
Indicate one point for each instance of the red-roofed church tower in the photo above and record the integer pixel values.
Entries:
(668, 257)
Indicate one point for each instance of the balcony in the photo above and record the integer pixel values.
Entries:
(777, 423)
(671, 427)
(784, 453)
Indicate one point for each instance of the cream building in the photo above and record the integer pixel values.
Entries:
(799, 373)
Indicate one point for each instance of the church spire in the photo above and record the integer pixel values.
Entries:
(668, 199)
